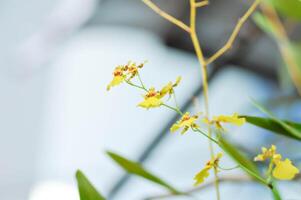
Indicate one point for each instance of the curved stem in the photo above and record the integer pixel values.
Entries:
(168, 17)
(136, 86)
(202, 3)
(228, 169)
(172, 108)
(207, 136)
(235, 32)
(140, 80)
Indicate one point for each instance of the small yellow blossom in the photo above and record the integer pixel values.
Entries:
(283, 170)
(267, 154)
(124, 72)
(118, 77)
(185, 122)
(151, 100)
(232, 119)
(169, 88)
(204, 173)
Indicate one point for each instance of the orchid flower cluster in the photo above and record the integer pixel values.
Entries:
(152, 98)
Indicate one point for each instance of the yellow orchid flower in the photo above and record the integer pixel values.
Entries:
(124, 72)
(168, 89)
(185, 122)
(118, 78)
(232, 119)
(283, 170)
(267, 154)
(151, 100)
(204, 173)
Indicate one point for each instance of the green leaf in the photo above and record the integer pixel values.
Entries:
(272, 125)
(263, 22)
(135, 168)
(241, 160)
(86, 189)
(287, 128)
(295, 49)
(288, 8)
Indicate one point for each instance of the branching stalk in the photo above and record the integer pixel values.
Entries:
(167, 16)
(235, 32)
(202, 3)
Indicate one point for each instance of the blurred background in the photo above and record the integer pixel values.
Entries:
(56, 58)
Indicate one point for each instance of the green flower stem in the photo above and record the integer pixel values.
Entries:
(140, 80)
(137, 86)
(175, 99)
(173, 108)
(269, 172)
(209, 137)
(255, 175)
(228, 169)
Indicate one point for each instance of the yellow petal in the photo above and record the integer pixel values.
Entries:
(166, 89)
(151, 102)
(234, 119)
(285, 170)
(259, 157)
(202, 175)
(185, 129)
(179, 78)
(174, 128)
(116, 81)
(188, 122)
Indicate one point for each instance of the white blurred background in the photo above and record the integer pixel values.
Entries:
(56, 58)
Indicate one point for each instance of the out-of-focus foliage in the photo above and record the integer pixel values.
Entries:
(136, 169)
(290, 129)
(241, 159)
(288, 8)
(86, 189)
(276, 127)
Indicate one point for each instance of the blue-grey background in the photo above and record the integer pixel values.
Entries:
(56, 58)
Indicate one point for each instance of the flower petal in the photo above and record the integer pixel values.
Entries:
(285, 170)
(151, 102)
(116, 81)
(202, 175)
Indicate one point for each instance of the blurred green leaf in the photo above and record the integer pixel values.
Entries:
(263, 22)
(274, 126)
(86, 189)
(296, 51)
(288, 8)
(290, 129)
(246, 164)
(135, 168)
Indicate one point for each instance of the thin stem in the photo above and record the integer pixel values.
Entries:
(235, 32)
(203, 64)
(172, 108)
(202, 3)
(228, 169)
(140, 80)
(175, 99)
(269, 172)
(168, 17)
(137, 86)
(207, 136)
